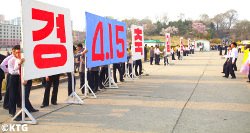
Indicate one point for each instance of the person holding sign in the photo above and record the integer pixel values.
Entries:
(54, 79)
(4, 67)
(28, 105)
(138, 63)
(118, 67)
(81, 54)
(94, 78)
(14, 66)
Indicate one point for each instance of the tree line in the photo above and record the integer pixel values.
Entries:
(223, 26)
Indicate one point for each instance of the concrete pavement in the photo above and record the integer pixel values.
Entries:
(190, 96)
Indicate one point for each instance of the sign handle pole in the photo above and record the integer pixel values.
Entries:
(133, 71)
(73, 95)
(24, 111)
(110, 83)
(86, 85)
(127, 75)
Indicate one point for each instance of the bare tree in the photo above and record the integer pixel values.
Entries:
(181, 16)
(219, 21)
(231, 18)
(242, 30)
(205, 19)
(165, 18)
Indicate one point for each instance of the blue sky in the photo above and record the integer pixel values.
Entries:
(121, 9)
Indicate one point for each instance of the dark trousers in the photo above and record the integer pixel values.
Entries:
(138, 63)
(249, 74)
(225, 66)
(103, 76)
(14, 93)
(173, 58)
(234, 65)
(157, 59)
(1, 80)
(151, 60)
(70, 83)
(129, 66)
(82, 80)
(123, 68)
(117, 66)
(94, 80)
(27, 88)
(55, 81)
(6, 96)
(229, 69)
(179, 55)
(145, 56)
(220, 51)
(166, 60)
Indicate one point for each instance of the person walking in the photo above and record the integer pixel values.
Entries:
(231, 62)
(151, 52)
(227, 59)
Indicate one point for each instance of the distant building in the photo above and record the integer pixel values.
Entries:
(10, 32)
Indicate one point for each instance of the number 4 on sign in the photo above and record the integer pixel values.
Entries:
(119, 41)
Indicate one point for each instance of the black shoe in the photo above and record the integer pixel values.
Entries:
(222, 72)
(18, 118)
(122, 80)
(233, 78)
(248, 81)
(34, 110)
(12, 115)
(43, 106)
(225, 76)
(54, 103)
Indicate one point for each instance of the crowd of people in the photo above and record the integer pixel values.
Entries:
(155, 53)
(230, 66)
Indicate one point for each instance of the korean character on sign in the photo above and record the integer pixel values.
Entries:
(49, 55)
(138, 40)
